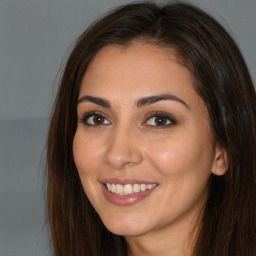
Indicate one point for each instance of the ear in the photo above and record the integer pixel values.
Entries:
(220, 161)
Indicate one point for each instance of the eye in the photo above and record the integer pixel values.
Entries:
(159, 119)
(95, 119)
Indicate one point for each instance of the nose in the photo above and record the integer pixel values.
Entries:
(124, 149)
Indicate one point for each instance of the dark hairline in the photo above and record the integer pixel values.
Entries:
(60, 147)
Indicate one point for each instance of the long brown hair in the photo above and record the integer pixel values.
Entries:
(222, 80)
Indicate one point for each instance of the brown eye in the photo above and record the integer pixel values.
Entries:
(98, 119)
(93, 119)
(159, 120)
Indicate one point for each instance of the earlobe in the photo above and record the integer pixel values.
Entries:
(220, 161)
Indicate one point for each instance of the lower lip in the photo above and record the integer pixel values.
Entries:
(125, 200)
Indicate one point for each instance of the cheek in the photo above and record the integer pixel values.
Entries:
(184, 166)
(86, 153)
(182, 155)
(87, 157)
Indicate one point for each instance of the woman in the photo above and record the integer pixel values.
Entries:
(151, 147)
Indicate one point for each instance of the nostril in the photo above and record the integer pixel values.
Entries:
(123, 150)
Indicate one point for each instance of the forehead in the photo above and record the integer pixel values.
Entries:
(138, 70)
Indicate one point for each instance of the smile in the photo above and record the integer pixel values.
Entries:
(128, 189)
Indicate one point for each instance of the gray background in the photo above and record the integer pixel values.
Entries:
(35, 38)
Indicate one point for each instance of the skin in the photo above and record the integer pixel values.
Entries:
(178, 155)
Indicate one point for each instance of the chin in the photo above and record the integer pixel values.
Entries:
(125, 228)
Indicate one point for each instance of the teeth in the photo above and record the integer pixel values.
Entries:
(108, 186)
(136, 188)
(128, 189)
(113, 187)
(119, 189)
(143, 187)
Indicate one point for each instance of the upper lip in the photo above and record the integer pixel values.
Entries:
(125, 181)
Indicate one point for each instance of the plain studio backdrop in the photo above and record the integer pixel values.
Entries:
(35, 39)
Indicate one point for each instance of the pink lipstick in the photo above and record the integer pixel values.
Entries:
(126, 192)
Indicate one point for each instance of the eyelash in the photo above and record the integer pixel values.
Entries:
(164, 116)
(86, 117)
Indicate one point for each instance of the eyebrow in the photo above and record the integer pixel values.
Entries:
(153, 99)
(140, 103)
(96, 100)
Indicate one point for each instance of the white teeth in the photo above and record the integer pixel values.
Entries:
(136, 188)
(119, 189)
(128, 189)
(109, 186)
(149, 186)
(143, 187)
(113, 187)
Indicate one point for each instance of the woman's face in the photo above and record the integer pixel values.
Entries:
(143, 146)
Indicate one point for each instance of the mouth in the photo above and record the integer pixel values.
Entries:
(126, 192)
(128, 189)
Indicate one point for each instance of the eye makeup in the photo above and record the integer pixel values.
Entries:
(159, 119)
(94, 118)
(156, 119)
